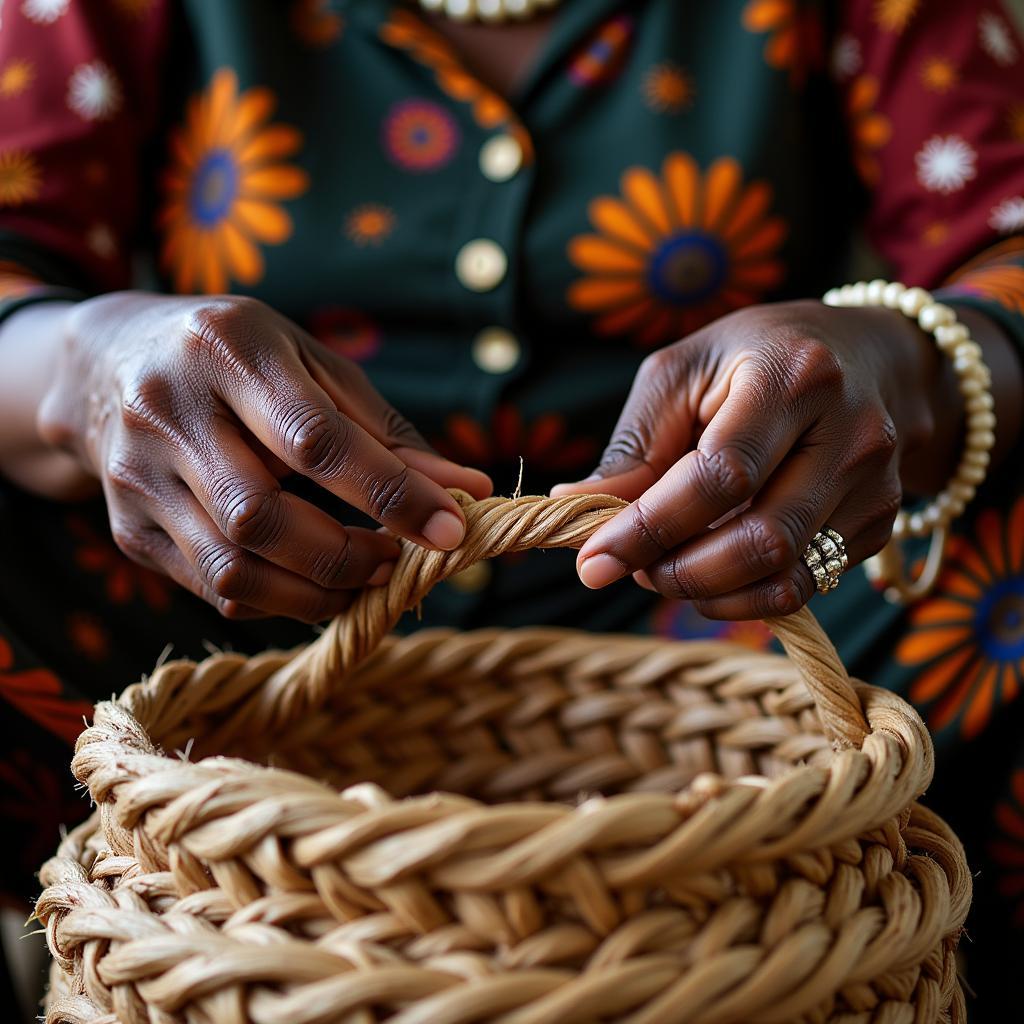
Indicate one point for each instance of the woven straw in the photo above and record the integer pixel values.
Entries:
(532, 827)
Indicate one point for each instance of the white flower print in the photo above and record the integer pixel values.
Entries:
(1008, 215)
(93, 92)
(995, 38)
(101, 241)
(945, 163)
(846, 57)
(44, 12)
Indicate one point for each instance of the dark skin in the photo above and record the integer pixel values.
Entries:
(189, 412)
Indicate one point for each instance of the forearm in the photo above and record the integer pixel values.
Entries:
(31, 340)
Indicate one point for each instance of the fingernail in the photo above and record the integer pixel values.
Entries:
(643, 580)
(444, 530)
(381, 574)
(600, 570)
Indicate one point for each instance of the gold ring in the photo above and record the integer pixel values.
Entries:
(826, 559)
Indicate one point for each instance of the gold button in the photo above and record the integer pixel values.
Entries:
(496, 350)
(501, 156)
(473, 579)
(481, 264)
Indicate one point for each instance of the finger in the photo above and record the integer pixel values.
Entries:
(233, 574)
(746, 440)
(174, 564)
(865, 526)
(765, 539)
(297, 420)
(351, 391)
(250, 509)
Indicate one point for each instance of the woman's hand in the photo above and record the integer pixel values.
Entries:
(190, 410)
(789, 417)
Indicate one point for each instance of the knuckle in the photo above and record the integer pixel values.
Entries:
(400, 431)
(225, 570)
(729, 476)
(252, 519)
(331, 568)
(628, 444)
(145, 401)
(316, 441)
(811, 364)
(875, 441)
(220, 329)
(389, 497)
(784, 597)
(125, 477)
(770, 543)
(651, 532)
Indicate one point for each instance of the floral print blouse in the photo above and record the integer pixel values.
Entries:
(500, 267)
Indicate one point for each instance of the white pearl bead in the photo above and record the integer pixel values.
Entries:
(977, 457)
(913, 300)
(967, 349)
(960, 490)
(892, 293)
(956, 507)
(875, 291)
(932, 515)
(971, 387)
(833, 297)
(978, 402)
(949, 336)
(970, 474)
(981, 420)
(935, 315)
(917, 524)
(857, 294)
(981, 439)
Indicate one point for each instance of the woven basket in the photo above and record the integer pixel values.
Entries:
(519, 826)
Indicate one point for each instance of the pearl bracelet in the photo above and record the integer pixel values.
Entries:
(974, 381)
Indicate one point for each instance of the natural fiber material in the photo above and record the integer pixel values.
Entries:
(520, 826)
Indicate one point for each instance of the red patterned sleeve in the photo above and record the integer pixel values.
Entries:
(79, 95)
(934, 96)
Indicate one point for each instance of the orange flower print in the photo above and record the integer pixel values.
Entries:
(668, 89)
(795, 37)
(1003, 284)
(224, 188)
(37, 694)
(406, 32)
(314, 23)
(542, 442)
(1007, 849)
(869, 130)
(894, 15)
(369, 224)
(939, 74)
(935, 233)
(967, 641)
(676, 252)
(20, 177)
(88, 636)
(679, 620)
(124, 578)
(15, 77)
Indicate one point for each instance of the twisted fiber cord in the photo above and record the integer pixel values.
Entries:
(887, 962)
(497, 526)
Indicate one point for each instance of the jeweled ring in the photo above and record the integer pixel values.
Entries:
(826, 559)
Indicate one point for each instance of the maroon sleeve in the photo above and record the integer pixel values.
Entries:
(79, 96)
(935, 108)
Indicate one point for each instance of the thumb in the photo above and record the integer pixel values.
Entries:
(655, 428)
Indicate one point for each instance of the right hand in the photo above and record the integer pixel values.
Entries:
(189, 411)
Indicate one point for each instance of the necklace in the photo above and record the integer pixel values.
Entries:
(487, 10)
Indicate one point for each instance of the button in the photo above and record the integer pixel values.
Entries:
(481, 264)
(473, 579)
(496, 350)
(500, 157)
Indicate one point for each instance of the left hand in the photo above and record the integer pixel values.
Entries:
(788, 417)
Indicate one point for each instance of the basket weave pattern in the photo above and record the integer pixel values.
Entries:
(520, 826)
